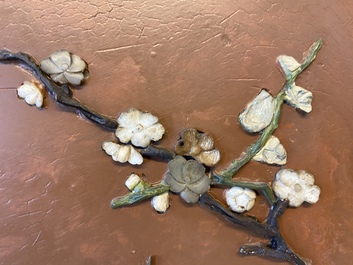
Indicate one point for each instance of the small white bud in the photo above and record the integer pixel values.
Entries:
(161, 202)
(239, 199)
(132, 181)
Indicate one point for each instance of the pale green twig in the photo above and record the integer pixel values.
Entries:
(268, 131)
(139, 195)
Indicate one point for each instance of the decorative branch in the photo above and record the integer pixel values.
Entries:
(157, 152)
(186, 174)
(62, 94)
(139, 194)
(266, 134)
(277, 246)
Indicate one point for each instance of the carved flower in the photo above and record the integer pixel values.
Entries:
(64, 67)
(239, 199)
(272, 153)
(31, 94)
(289, 65)
(299, 98)
(122, 153)
(139, 127)
(258, 113)
(297, 187)
(188, 178)
(198, 145)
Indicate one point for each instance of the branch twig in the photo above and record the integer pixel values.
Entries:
(277, 247)
(62, 94)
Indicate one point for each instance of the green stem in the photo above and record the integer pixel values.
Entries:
(268, 131)
(263, 187)
(140, 195)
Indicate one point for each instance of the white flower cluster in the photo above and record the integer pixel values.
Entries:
(297, 187)
(65, 68)
(239, 199)
(137, 127)
(31, 93)
(296, 96)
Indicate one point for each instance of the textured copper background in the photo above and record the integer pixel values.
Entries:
(193, 64)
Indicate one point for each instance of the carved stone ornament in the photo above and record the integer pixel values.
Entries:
(191, 173)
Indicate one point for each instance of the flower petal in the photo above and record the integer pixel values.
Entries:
(258, 113)
(289, 65)
(209, 158)
(312, 196)
(155, 132)
(74, 78)
(189, 196)
(193, 171)
(175, 186)
(147, 119)
(176, 166)
(201, 186)
(77, 64)
(129, 118)
(299, 98)
(161, 202)
(124, 134)
(49, 67)
(272, 153)
(140, 139)
(135, 157)
(59, 78)
(61, 59)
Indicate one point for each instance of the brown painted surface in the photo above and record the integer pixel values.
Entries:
(193, 64)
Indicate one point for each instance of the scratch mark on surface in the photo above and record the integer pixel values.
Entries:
(37, 238)
(229, 16)
(211, 38)
(118, 48)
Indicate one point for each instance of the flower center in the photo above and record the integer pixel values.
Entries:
(297, 187)
(138, 128)
(187, 179)
(64, 66)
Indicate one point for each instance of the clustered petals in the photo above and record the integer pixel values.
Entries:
(139, 127)
(297, 187)
(188, 178)
(198, 145)
(240, 199)
(65, 68)
(122, 153)
(31, 93)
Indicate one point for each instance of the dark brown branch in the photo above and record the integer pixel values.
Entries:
(277, 247)
(61, 93)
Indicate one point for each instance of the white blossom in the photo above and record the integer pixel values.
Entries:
(161, 202)
(239, 199)
(258, 113)
(139, 127)
(123, 153)
(272, 153)
(132, 181)
(289, 65)
(299, 98)
(296, 187)
(64, 67)
(31, 94)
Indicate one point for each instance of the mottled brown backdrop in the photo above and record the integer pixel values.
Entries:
(193, 64)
